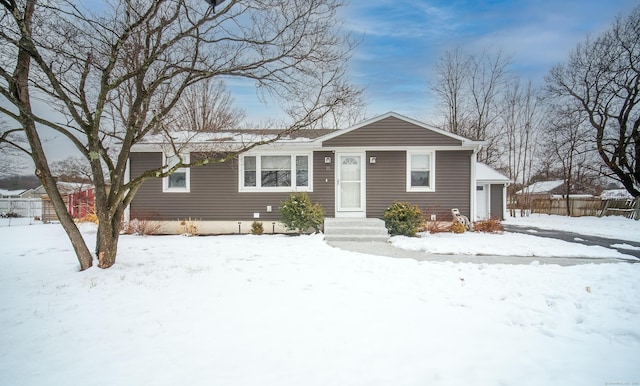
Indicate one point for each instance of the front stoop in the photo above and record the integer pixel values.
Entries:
(355, 229)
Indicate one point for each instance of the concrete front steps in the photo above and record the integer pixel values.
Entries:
(355, 229)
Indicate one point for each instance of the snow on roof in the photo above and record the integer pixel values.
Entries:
(541, 187)
(11, 193)
(613, 194)
(485, 173)
(238, 136)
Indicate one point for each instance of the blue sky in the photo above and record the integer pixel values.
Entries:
(403, 39)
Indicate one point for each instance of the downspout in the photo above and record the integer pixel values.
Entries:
(127, 178)
(504, 201)
(472, 204)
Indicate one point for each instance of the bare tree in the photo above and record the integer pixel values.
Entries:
(118, 74)
(469, 88)
(602, 75)
(489, 77)
(452, 72)
(72, 169)
(519, 118)
(12, 149)
(208, 106)
(567, 143)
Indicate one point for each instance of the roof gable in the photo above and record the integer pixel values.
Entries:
(392, 129)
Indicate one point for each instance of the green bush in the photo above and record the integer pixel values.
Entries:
(402, 218)
(298, 214)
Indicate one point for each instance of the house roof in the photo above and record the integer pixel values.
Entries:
(337, 133)
(486, 174)
(541, 187)
(66, 187)
(613, 194)
(230, 139)
(237, 136)
(11, 193)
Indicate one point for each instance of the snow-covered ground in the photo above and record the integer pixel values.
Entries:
(280, 310)
(614, 227)
(515, 244)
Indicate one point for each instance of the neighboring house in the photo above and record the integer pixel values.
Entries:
(549, 189)
(82, 202)
(5, 193)
(16, 203)
(539, 190)
(354, 172)
(616, 194)
(491, 193)
(79, 198)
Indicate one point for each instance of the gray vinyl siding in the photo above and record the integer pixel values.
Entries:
(324, 182)
(386, 183)
(496, 202)
(391, 131)
(214, 193)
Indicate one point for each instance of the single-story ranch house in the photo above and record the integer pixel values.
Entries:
(353, 172)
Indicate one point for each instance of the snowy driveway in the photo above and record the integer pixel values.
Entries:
(627, 247)
(535, 238)
(387, 249)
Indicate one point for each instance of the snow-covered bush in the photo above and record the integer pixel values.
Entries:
(299, 214)
(402, 218)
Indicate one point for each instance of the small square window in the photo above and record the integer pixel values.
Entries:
(178, 181)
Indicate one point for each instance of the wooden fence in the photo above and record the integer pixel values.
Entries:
(582, 206)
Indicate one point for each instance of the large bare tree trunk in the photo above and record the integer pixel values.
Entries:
(107, 242)
(20, 91)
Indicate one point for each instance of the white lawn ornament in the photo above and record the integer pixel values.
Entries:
(464, 220)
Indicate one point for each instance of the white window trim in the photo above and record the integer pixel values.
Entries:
(432, 171)
(292, 188)
(187, 171)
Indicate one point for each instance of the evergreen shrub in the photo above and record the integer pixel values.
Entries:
(299, 214)
(402, 218)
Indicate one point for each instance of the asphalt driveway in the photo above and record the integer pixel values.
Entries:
(578, 238)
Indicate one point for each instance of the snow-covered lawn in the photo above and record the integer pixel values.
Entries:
(280, 310)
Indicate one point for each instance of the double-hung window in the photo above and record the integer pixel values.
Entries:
(275, 172)
(421, 171)
(178, 181)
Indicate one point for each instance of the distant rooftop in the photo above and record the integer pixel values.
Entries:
(11, 193)
(541, 187)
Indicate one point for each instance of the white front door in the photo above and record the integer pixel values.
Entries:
(350, 181)
(482, 198)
